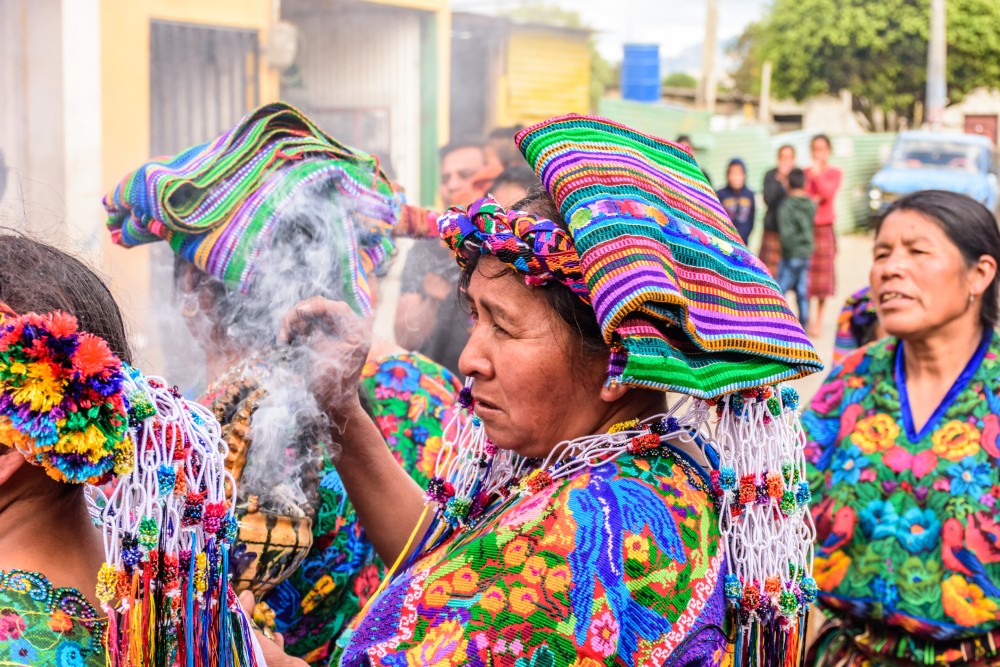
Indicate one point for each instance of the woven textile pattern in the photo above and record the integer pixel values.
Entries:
(617, 565)
(535, 247)
(217, 204)
(908, 541)
(44, 625)
(691, 308)
(856, 317)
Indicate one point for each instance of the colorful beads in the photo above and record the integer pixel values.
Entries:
(727, 478)
(809, 589)
(789, 397)
(787, 504)
(201, 572)
(644, 444)
(788, 603)
(751, 596)
(465, 398)
(212, 520)
(714, 477)
(772, 586)
(748, 489)
(775, 485)
(803, 496)
(149, 532)
(439, 490)
(140, 408)
(627, 425)
(166, 477)
(774, 406)
(456, 510)
(192, 509)
(230, 529)
(125, 457)
(107, 581)
(732, 588)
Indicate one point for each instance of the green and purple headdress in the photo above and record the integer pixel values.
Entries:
(219, 204)
(682, 303)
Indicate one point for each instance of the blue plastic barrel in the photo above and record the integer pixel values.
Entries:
(641, 72)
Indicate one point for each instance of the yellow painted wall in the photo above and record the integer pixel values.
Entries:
(548, 74)
(125, 31)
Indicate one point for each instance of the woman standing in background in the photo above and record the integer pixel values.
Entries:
(822, 185)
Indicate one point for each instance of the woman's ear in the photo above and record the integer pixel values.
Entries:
(11, 461)
(613, 392)
(983, 273)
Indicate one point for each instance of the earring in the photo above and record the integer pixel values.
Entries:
(190, 305)
(972, 297)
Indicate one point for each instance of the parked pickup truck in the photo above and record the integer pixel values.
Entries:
(964, 163)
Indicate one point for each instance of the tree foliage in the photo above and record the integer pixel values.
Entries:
(680, 80)
(875, 50)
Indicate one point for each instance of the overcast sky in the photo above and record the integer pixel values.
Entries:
(673, 24)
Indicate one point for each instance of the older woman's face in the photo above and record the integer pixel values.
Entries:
(532, 387)
(920, 280)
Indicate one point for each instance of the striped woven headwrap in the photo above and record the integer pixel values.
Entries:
(535, 247)
(218, 204)
(683, 304)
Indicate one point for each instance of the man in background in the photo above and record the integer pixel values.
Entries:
(429, 318)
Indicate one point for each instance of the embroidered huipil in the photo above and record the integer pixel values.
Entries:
(44, 625)
(908, 537)
(618, 565)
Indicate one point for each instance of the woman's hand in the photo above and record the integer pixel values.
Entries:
(273, 649)
(338, 342)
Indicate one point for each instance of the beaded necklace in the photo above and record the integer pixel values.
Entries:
(471, 471)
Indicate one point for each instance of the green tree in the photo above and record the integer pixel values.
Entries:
(603, 75)
(680, 80)
(875, 50)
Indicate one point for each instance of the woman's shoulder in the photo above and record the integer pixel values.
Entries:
(43, 624)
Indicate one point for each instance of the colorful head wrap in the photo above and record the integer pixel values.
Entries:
(61, 398)
(218, 204)
(535, 247)
(854, 323)
(683, 304)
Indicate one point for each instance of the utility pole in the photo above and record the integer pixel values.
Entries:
(707, 85)
(764, 114)
(937, 53)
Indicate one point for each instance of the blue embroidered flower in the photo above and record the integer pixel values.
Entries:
(969, 478)
(69, 654)
(878, 520)
(885, 592)
(918, 530)
(22, 652)
(847, 465)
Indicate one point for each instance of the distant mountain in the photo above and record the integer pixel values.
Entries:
(689, 60)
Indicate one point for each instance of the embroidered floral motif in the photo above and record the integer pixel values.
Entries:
(915, 544)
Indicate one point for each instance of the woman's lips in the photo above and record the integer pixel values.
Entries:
(484, 406)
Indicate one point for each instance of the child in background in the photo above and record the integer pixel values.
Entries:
(738, 199)
(795, 229)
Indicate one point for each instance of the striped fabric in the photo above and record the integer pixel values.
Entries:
(218, 204)
(684, 305)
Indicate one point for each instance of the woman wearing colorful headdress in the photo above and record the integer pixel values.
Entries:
(272, 212)
(903, 451)
(72, 413)
(577, 516)
(857, 325)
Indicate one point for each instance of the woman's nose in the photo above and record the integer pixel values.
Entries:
(474, 360)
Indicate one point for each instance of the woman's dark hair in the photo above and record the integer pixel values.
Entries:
(968, 224)
(821, 137)
(576, 313)
(35, 277)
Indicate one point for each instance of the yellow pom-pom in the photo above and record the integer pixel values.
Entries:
(124, 455)
(624, 426)
(107, 582)
(200, 573)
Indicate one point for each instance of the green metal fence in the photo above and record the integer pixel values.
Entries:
(858, 156)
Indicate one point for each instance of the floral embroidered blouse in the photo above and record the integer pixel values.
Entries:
(907, 522)
(45, 626)
(617, 565)
(411, 398)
